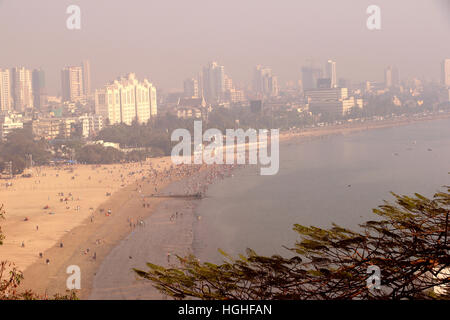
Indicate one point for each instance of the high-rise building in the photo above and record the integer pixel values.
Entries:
(264, 83)
(191, 88)
(273, 86)
(331, 72)
(445, 72)
(5, 90)
(235, 95)
(391, 78)
(126, 100)
(86, 66)
(310, 75)
(22, 88)
(72, 84)
(228, 83)
(153, 101)
(213, 82)
(39, 91)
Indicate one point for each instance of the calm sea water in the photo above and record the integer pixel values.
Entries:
(334, 179)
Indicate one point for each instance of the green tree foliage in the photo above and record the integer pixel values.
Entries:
(97, 154)
(18, 145)
(409, 242)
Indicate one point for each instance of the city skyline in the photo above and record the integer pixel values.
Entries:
(309, 76)
(178, 50)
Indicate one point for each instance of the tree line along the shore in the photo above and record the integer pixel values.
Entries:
(153, 139)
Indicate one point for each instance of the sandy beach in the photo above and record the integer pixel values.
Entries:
(167, 233)
(75, 215)
(40, 210)
(63, 214)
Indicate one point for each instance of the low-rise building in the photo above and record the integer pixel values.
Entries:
(189, 112)
(9, 123)
(52, 128)
(335, 101)
(90, 125)
(106, 144)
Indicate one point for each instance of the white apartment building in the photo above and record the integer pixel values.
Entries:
(330, 69)
(5, 90)
(126, 100)
(153, 101)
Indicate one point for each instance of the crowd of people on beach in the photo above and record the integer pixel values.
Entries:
(149, 180)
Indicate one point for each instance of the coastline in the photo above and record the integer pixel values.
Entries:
(87, 244)
(184, 236)
(168, 232)
(349, 128)
(127, 203)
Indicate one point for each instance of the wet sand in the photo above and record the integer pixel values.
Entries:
(168, 232)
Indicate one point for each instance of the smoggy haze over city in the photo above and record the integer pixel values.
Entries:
(168, 41)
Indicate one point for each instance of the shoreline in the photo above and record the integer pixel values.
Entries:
(168, 232)
(87, 244)
(51, 278)
(182, 237)
(349, 128)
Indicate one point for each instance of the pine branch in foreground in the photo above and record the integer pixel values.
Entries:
(408, 241)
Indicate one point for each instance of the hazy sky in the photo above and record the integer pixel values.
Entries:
(168, 41)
